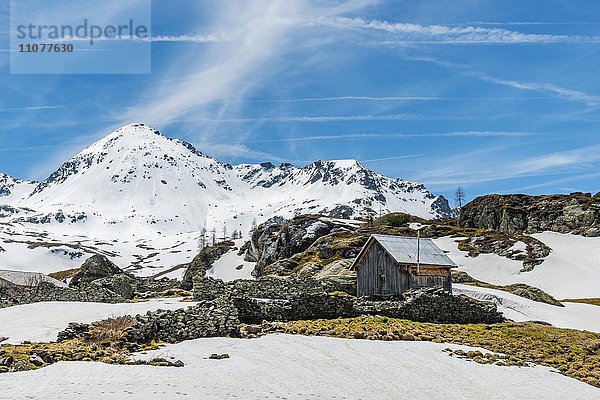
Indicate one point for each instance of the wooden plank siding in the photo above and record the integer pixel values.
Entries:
(379, 275)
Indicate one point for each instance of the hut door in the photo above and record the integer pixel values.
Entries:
(382, 279)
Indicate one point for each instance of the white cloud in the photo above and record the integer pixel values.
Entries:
(560, 91)
(370, 136)
(417, 33)
(236, 151)
(392, 158)
(226, 71)
(30, 108)
(489, 165)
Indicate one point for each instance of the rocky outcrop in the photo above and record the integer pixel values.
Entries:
(519, 289)
(504, 245)
(94, 268)
(279, 239)
(338, 277)
(532, 293)
(577, 213)
(203, 262)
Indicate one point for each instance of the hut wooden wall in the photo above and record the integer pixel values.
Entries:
(375, 263)
(430, 276)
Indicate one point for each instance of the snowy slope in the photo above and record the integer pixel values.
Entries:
(572, 270)
(297, 367)
(232, 266)
(572, 315)
(142, 199)
(13, 189)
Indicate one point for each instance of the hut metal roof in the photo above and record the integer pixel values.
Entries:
(404, 250)
(27, 278)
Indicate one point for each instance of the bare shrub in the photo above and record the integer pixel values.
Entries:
(111, 329)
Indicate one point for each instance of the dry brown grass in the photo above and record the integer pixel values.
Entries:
(66, 274)
(592, 301)
(110, 330)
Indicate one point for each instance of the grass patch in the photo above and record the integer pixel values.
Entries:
(574, 353)
(110, 330)
(66, 274)
(103, 343)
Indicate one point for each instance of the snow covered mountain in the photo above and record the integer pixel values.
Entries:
(136, 191)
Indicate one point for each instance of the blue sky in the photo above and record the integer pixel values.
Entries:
(496, 96)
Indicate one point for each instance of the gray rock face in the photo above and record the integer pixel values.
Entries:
(95, 267)
(282, 239)
(577, 213)
(203, 261)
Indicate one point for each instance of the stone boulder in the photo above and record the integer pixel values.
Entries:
(94, 268)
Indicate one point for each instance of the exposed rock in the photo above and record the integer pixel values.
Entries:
(95, 267)
(204, 261)
(216, 356)
(519, 289)
(532, 293)
(74, 330)
(274, 242)
(503, 244)
(576, 213)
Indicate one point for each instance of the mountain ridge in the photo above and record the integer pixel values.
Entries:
(136, 191)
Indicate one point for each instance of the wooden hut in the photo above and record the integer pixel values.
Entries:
(391, 265)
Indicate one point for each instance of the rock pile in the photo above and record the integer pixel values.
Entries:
(578, 213)
(210, 318)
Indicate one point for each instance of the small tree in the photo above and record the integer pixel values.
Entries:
(224, 232)
(213, 236)
(459, 197)
(202, 241)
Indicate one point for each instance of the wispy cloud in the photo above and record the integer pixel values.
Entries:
(480, 167)
(30, 108)
(209, 38)
(525, 23)
(417, 33)
(392, 158)
(563, 92)
(338, 118)
(237, 151)
(542, 87)
(228, 69)
(391, 98)
(370, 136)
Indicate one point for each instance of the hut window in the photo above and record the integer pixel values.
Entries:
(382, 279)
